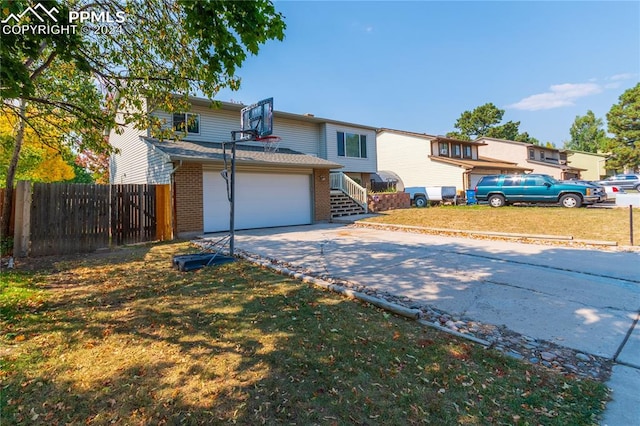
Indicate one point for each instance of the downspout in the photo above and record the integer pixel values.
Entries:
(466, 177)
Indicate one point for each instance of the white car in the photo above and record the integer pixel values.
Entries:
(612, 191)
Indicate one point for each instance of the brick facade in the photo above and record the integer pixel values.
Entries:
(188, 199)
(321, 195)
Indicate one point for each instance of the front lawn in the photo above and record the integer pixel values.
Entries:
(599, 224)
(123, 338)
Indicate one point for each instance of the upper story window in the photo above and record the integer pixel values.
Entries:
(467, 151)
(455, 150)
(186, 122)
(542, 155)
(352, 145)
(443, 149)
(532, 154)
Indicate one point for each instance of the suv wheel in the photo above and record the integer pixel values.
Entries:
(570, 201)
(496, 201)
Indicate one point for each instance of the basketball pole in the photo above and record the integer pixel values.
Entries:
(232, 183)
(252, 119)
(232, 212)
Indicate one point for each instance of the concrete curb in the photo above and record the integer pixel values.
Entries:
(567, 238)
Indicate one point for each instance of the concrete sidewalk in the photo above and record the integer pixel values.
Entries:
(584, 299)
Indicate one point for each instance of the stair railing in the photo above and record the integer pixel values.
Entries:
(350, 187)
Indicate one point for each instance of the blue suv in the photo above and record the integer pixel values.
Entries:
(500, 190)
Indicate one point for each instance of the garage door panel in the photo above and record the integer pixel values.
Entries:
(261, 200)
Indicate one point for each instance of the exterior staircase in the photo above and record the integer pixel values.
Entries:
(343, 205)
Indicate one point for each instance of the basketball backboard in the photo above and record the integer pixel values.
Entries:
(258, 118)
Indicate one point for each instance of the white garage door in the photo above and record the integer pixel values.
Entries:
(474, 179)
(261, 200)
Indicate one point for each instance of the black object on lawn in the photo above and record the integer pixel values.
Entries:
(191, 262)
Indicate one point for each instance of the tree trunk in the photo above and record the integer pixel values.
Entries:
(11, 172)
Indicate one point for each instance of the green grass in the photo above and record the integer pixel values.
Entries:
(598, 224)
(20, 297)
(127, 339)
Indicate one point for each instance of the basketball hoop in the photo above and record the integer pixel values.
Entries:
(270, 142)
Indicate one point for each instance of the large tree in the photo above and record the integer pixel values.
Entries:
(587, 134)
(624, 124)
(484, 121)
(134, 56)
(476, 123)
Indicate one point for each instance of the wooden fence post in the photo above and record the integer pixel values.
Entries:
(164, 228)
(22, 230)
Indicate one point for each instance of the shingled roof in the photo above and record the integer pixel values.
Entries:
(211, 152)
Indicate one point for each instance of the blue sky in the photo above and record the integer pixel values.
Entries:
(418, 65)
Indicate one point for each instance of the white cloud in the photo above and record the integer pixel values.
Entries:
(559, 95)
(618, 77)
(616, 81)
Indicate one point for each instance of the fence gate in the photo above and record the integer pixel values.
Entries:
(133, 213)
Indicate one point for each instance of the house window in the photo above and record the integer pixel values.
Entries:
(188, 123)
(532, 154)
(542, 155)
(456, 152)
(467, 152)
(443, 149)
(352, 145)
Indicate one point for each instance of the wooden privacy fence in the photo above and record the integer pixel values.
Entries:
(74, 218)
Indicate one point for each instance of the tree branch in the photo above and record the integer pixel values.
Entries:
(42, 67)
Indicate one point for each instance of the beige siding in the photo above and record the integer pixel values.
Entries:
(594, 164)
(408, 156)
(547, 170)
(136, 161)
(302, 137)
(405, 155)
(215, 124)
(441, 174)
(355, 165)
(505, 151)
(307, 135)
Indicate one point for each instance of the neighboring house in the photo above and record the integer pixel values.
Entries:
(593, 165)
(288, 187)
(421, 159)
(540, 159)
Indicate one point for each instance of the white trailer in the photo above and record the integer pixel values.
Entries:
(421, 196)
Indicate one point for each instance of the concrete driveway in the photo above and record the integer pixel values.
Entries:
(584, 299)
